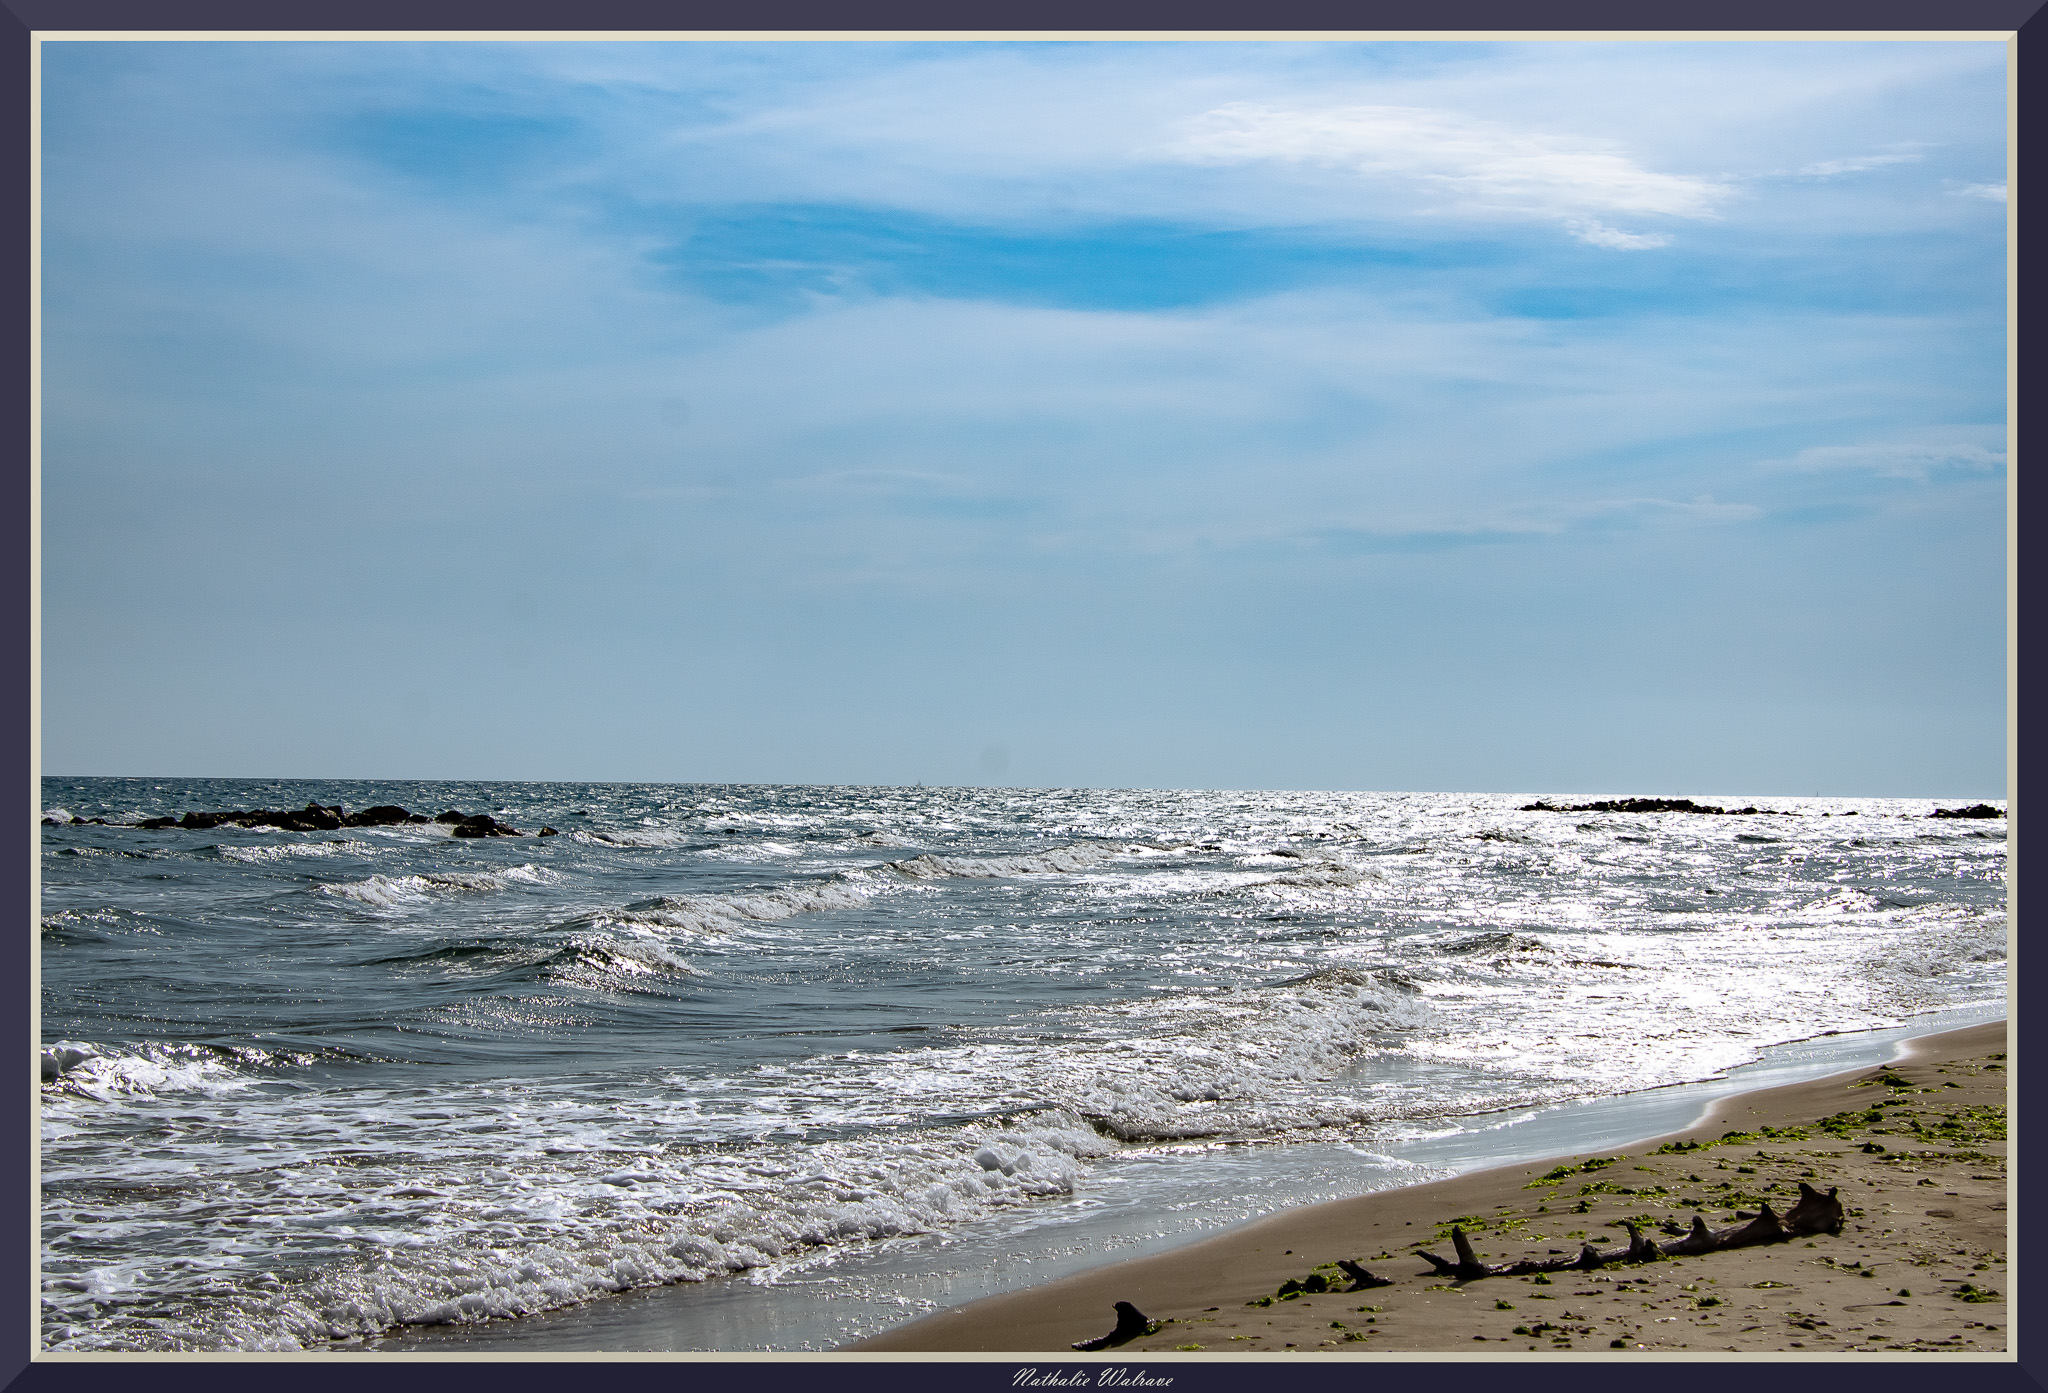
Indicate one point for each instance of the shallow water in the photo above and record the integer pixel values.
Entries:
(1141, 1201)
(313, 1086)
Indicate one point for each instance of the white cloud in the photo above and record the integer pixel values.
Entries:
(1599, 234)
(1904, 153)
(1465, 164)
(1900, 459)
(1996, 193)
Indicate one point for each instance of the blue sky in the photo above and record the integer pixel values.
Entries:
(1531, 417)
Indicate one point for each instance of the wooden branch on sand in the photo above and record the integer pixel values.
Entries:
(1815, 1213)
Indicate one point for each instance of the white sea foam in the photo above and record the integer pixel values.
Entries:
(399, 891)
(719, 915)
(106, 1074)
(283, 851)
(505, 1237)
(657, 838)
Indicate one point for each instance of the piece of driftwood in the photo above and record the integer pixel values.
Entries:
(1130, 1324)
(1814, 1213)
(1362, 1280)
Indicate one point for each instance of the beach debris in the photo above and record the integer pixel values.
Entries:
(1814, 1213)
(1327, 1277)
(1361, 1280)
(1130, 1324)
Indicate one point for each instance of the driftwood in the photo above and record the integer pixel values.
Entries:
(1130, 1324)
(1361, 1280)
(1815, 1213)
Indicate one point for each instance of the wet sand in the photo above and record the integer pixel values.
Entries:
(1919, 1264)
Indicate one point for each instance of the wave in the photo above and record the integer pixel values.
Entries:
(608, 964)
(658, 838)
(107, 1073)
(719, 915)
(1065, 860)
(1247, 1062)
(1328, 875)
(397, 891)
(607, 1221)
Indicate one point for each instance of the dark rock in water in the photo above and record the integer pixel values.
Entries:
(311, 818)
(383, 815)
(479, 825)
(314, 817)
(1974, 810)
(548, 832)
(1648, 805)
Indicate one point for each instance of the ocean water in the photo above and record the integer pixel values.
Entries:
(307, 1088)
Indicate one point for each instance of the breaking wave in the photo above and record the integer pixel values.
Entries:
(398, 891)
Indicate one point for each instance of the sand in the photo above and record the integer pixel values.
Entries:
(1920, 1262)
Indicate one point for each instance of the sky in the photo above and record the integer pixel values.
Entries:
(1545, 417)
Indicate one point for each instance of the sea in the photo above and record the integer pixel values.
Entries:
(332, 1090)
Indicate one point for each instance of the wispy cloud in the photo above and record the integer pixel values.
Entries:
(1901, 459)
(1908, 152)
(1462, 164)
(1994, 192)
(1596, 233)
(1537, 522)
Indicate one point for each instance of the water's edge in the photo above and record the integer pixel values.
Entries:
(1142, 1202)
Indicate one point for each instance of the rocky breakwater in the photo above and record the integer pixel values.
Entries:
(1686, 805)
(1648, 805)
(315, 817)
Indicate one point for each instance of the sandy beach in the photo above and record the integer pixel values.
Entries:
(1916, 1149)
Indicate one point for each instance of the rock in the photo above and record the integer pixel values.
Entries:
(548, 832)
(1648, 805)
(1974, 810)
(479, 825)
(383, 815)
(314, 817)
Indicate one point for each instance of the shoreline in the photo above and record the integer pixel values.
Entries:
(1202, 1289)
